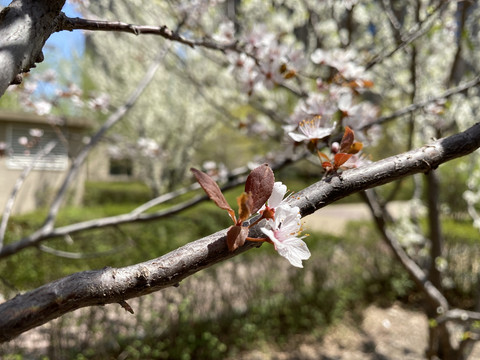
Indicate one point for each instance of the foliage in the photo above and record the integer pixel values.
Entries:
(115, 193)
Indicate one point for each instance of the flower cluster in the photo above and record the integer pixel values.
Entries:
(30, 142)
(282, 224)
(264, 61)
(35, 94)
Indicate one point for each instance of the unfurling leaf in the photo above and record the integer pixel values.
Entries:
(260, 185)
(236, 237)
(347, 140)
(356, 147)
(213, 191)
(348, 145)
(245, 204)
(340, 159)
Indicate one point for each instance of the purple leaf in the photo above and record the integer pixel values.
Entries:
(260, 185)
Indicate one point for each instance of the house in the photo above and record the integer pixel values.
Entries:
(22, 137)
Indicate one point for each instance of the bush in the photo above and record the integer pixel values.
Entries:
(116, 193)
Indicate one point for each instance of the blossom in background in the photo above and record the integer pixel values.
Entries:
(42, 107)
(23, 140)
(148, 147)
(283, 231)
(3, 148)
(225, 33)
(340, 59)
(312, 129)
(36, 132)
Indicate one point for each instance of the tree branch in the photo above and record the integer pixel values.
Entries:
(110, 285)
(419, 105)
(81, 157)
(387, 170)
(70, 24)
(418, 30)
(420, 278)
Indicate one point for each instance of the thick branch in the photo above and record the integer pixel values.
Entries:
(25, 25)
(387, 170)
(117, 285)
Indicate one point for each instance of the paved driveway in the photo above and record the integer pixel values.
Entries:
(333, 218)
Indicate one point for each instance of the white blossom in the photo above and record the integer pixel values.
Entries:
(312, 129)
(284, 231)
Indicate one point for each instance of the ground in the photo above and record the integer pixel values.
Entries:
(391, 333)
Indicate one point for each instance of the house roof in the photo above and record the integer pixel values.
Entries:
(22, 117)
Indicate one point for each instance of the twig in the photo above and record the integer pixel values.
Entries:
(418, 30)
(419, 105)
(459, 315)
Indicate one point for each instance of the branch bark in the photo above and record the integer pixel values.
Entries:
(111, 285)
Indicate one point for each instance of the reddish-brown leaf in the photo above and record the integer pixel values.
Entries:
(245, 204)
(322, 156)
(236, 237)
(347, 140)
(340, 159)
(213, 191)
(260, 185)
(327, 165)
(356, 147)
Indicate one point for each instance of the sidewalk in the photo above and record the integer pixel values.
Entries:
(333, 218)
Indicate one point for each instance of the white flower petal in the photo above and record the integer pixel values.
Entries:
(297, 137)
(278, 192)
(294, 250)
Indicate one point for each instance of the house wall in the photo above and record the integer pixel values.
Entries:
(38, 189)
(41, 184)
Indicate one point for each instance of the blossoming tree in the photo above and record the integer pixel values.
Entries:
(317, 74)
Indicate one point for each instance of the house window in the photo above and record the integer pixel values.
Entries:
(24, 142)
(121, 167)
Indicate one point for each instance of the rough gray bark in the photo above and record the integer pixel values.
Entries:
(25, 25)
(110, 285)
